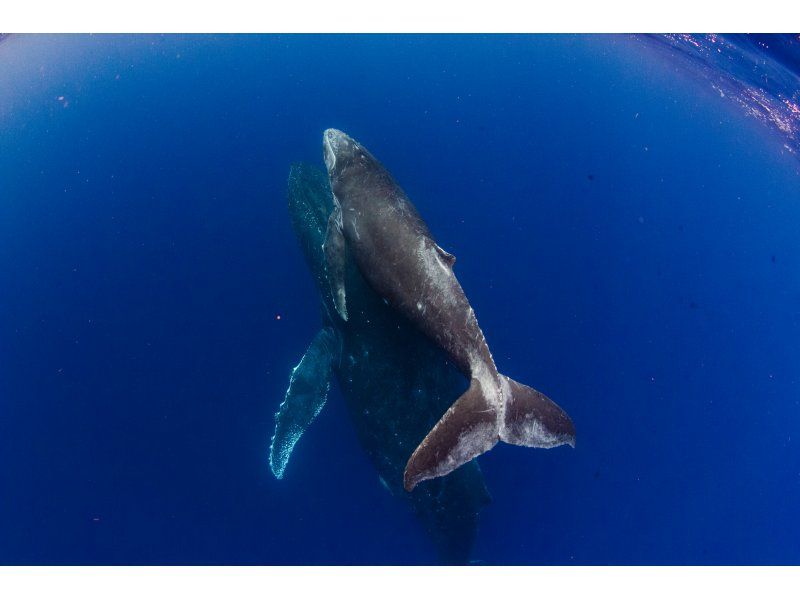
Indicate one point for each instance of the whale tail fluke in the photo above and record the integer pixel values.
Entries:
(475, 422)
(532, 419)
(467, 429)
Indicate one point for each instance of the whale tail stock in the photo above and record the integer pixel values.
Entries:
(475, 422)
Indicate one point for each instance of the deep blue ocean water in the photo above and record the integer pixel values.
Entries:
(627, 235)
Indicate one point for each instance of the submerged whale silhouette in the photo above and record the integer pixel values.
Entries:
(396, 383)
(375, 223)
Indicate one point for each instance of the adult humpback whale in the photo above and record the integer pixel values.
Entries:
(374, 221)
(395, 382)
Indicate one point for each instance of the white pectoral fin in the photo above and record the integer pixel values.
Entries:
(448, 258)
(334, 248)
(305, 397)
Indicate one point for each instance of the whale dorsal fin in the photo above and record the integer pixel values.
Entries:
(305, 397)
(335, 257)
(448, 258)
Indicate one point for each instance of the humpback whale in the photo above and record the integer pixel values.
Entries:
(394, 381)
(375, 223)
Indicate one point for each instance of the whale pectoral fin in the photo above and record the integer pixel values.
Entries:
(305, 397)
(468, 429)
(448, 258)
(334, 248)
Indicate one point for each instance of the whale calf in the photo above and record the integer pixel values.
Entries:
(374, 222)
(394, 382)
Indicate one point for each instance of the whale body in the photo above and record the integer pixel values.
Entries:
(374, 223)
(394, 381)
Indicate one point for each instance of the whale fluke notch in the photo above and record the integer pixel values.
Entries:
(518, 415)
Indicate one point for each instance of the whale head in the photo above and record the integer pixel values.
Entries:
(348, 162)
(339, 149)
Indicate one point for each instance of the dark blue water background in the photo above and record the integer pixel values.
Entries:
(627, 236)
